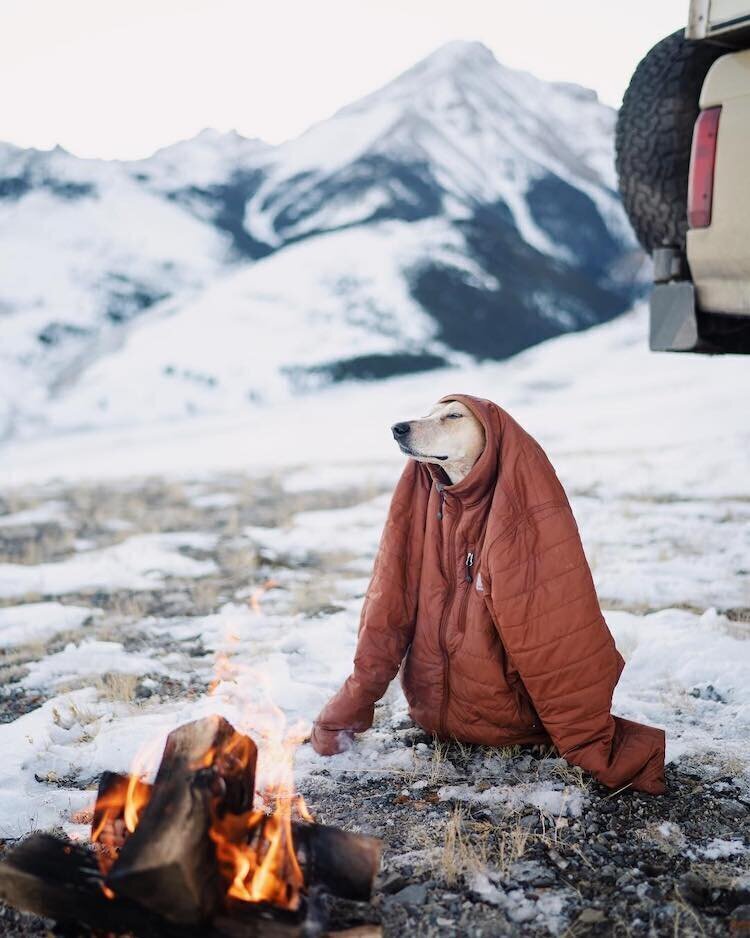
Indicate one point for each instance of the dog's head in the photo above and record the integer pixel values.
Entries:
(449, 433)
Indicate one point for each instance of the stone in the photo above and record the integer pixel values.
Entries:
(416, 894)
(591, 917)
(739, 920)
(392, 882)
(733, 809)
(531, 873)
(694, 889)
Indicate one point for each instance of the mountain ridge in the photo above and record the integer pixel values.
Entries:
(508, 181)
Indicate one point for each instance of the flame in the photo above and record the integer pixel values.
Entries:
(136, 799)
(254, 850)
(118, 810)
(116, 815)
(257, 594)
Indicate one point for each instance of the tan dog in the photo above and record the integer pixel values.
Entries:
(449, 435)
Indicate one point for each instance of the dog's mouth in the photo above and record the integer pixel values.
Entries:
(411, 452)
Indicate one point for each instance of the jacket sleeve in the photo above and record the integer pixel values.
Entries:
(547, 613)
(387, 619)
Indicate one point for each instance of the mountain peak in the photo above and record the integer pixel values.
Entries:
(457, 55)
(458, 51)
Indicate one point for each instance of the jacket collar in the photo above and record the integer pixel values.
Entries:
(482, 478)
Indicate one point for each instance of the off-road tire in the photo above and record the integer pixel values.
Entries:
(654, 135)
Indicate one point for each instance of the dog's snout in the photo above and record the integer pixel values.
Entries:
(400, 429)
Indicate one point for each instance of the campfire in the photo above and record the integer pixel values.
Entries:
(197, 853)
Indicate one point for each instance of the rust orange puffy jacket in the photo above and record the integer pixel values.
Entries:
(482, 590)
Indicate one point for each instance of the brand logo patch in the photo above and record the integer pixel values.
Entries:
(478, 583)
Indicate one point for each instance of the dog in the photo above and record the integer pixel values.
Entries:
(449, 435)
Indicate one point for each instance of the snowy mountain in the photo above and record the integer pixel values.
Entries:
(463, 210)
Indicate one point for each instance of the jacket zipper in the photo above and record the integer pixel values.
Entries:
(444, 623)
(468, 564)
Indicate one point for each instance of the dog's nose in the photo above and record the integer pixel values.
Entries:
(400, 429)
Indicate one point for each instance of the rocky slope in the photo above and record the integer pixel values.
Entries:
(463, 209)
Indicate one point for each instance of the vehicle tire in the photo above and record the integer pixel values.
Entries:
(654, 135)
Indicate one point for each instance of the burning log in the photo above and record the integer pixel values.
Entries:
(61, 880)
(168, 863)
(343, 864)
(190, 855)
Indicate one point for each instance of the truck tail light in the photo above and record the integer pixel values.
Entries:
(702, 161)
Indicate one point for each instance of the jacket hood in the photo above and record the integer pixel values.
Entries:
(483, 475)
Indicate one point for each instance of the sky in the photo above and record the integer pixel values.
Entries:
(113, 79)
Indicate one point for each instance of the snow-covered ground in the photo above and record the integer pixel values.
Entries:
(654, 451)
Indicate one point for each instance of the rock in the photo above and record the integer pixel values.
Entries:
(531, 873)
(708, 692)
(590, 917)
(392, 882)
(733, 809)
(416, 894)
(694, 889)
(739, 920)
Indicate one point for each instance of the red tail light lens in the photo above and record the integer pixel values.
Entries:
(702, 161)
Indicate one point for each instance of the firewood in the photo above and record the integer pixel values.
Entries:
(168, 864)
(343, 864)
(57, 879)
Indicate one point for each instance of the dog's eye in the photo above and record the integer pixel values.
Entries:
(455, 416)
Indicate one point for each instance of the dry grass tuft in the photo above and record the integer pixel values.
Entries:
(462, 852)
(70, 713)
(116, 686)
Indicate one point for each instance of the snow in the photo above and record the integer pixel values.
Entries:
(718, 848)
(87, 659)
(138, 563)
(37, 622)
(239, 342)
(65, 261)
(46, 513)
(546, 910)
(554, 799)
(330, 530)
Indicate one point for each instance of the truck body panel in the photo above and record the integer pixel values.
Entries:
(719, 255)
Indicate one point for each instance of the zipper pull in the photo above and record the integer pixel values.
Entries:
(469, 565)
(442, 501)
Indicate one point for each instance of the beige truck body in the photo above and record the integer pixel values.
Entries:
(717, 18)
(719, 255)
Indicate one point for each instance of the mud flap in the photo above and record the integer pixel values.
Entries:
(677, 325)
(674, 321)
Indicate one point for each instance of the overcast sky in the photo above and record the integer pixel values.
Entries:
(119, 79)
